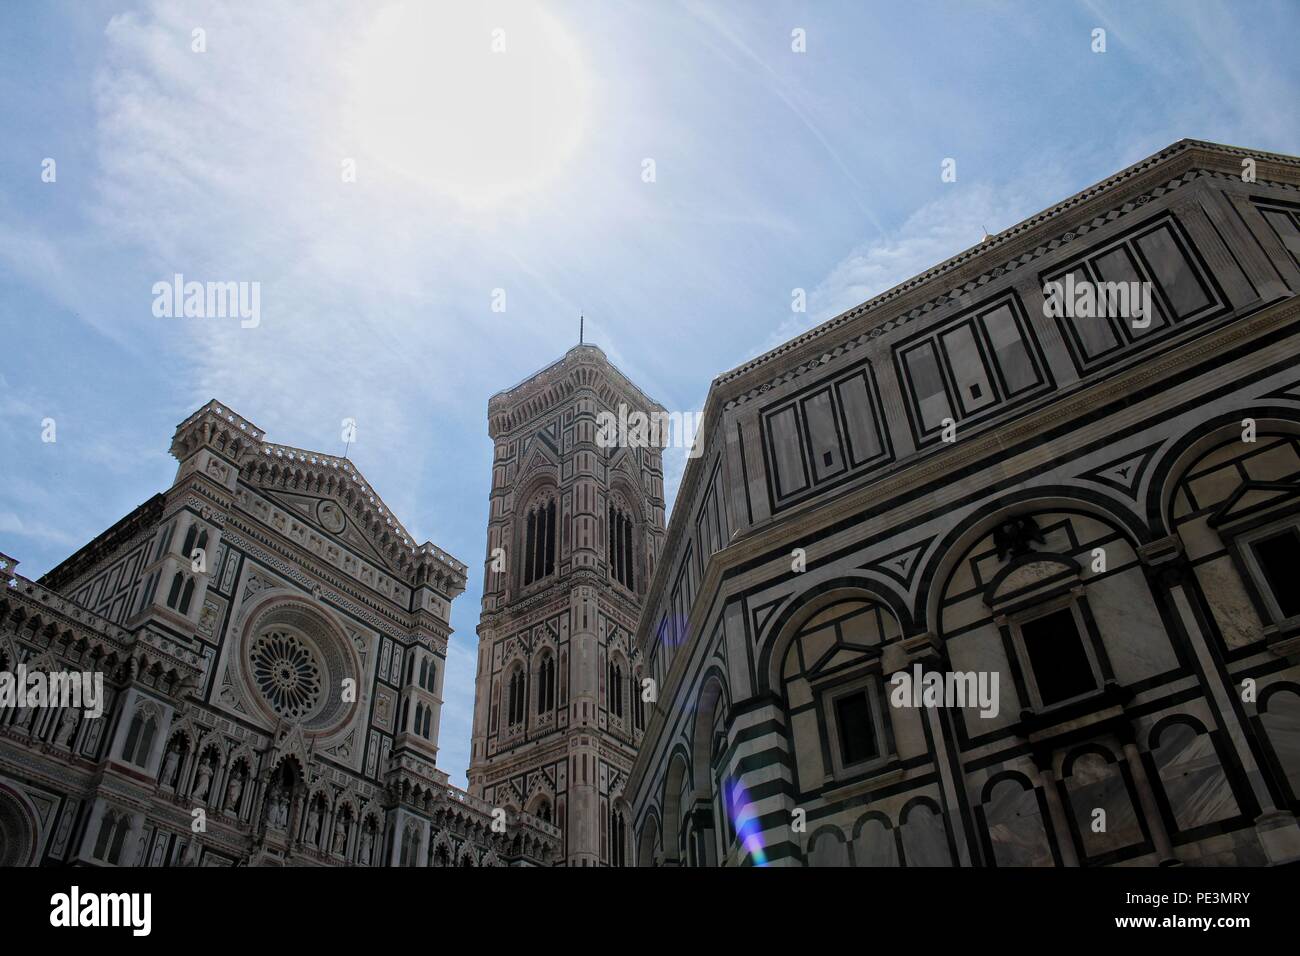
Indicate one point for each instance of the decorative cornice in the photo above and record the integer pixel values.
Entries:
(1007, 247)
(582, 367)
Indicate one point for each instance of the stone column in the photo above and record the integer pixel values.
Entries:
(1059, 819)
(1155, 823)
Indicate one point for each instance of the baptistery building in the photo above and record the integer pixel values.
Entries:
(972, 575)
(272, 646)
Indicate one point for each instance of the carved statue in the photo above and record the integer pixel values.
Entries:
(234, 791)
(204, 783)
(66, 724)
(341, 835)
(364, 855)
(279, 808)
(168, 775)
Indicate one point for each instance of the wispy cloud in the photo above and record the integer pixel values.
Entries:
(26, 528)
(775, 170)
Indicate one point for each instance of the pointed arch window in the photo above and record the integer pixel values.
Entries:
(620, 549)
(410, 847)
(515, 710)
(614, 690)
(638, 705)
(617, 836)
(187, 595)
(539, 541)
(113, 832)
(139, 738)
(105, 834)
(546, 685)
(174, 595)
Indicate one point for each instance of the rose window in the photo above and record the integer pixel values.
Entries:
(297, 666)
(287, 672)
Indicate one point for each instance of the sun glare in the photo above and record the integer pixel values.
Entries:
(481, 102)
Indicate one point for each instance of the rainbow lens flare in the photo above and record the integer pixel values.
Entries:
(744, 821)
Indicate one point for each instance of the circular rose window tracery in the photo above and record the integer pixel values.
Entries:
(287, 673)
(296, 664)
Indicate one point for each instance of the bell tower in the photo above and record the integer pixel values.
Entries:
(574, 530)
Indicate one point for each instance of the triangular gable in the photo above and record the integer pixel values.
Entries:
(624, 462)
(539, 454)
(295, 477)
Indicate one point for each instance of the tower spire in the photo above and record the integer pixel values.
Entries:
(580, 329)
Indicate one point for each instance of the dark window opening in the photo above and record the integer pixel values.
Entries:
(853, 721)
(539, 542)
(1279, 558)
(1056, 654)
(620, 553)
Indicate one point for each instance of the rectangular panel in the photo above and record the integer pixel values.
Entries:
(1174, 272)
(973, 388)
(860, 419)
(1285, 227)
(787, 452)
(1095, 337)
(1118, 266)
(823, 438)
(1009, 351)
(927, 386)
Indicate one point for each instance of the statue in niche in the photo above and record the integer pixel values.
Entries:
(168, 774)
(272, 802)
(341, 834)
(234, 791)
(204, 782)
(317, 821)
(366, 838)
(280, 809)
(67, 727)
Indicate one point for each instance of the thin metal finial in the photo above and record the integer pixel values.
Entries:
(581, 322)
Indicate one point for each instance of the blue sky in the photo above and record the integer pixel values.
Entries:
(520, 169)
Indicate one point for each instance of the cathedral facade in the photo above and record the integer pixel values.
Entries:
(979, 574)
(574, 531)
(272, 647)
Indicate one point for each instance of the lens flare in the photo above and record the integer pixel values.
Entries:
(744, 820)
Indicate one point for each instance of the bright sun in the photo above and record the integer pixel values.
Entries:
(478, 101)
